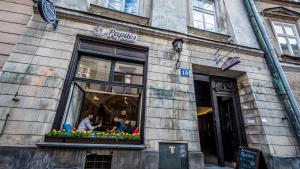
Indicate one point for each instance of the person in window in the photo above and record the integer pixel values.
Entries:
(119, 125)
(85, 124)
(129, 127)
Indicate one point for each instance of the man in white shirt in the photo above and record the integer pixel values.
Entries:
(85, 124)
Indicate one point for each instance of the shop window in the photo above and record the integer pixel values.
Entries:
(103, 95)
(204, 15)
(106, 89)
(287, 37)
(128, 6)
(98, 162)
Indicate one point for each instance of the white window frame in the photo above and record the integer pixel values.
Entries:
(123, 6)
(286, 36)
(198, 9)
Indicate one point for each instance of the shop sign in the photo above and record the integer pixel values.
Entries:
(230, 62)
(47, 11)
(184, 72)
(115, 34)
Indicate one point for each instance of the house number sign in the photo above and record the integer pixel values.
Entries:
(47, 11)
(115, 34)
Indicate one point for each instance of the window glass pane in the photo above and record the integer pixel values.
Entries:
(278, 29)
(93, 68)
(294, 46)
(131, 68)
(208, 6)
(197, 16)
(73, 107)
(289, 31)
(209, 19)
(283, 44)
(209, 27)
(131, 6)
(118, 101)
(198, 25)
(198, 3)
(115, 4)
(128, 73)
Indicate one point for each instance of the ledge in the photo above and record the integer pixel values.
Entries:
(118, 15)
(81, 145)
(289, 59)
(208, 35)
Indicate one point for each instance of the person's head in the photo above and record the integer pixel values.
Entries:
(91, 116)
(116, 119)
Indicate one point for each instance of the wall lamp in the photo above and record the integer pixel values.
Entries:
(177, 46)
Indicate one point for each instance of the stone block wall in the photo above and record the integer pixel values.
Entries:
(63, 158)
(14, 15)
(265, 121)
(293, 76)
(37, 68)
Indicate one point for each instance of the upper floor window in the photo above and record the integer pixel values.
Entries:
(204, 14)
(287, 37)
(128, 6)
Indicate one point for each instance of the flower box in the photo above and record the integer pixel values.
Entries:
(104, 141)
(127, 141)
(78, 140)
(60, 139)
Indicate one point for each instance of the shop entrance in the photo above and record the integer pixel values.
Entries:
(219, 119)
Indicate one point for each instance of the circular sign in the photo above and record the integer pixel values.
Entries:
(47, 10)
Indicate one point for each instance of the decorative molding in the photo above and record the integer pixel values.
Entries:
(289, 59)
(282, 13)
(207, 34)
(282, 2)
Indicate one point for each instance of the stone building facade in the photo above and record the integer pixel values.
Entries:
(39, 70)
(276, 13)
(15, 14)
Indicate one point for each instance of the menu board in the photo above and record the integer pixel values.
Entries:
(248, 158)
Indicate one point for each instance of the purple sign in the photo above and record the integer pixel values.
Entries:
(230, 62)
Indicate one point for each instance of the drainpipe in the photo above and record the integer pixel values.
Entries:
(279, 79)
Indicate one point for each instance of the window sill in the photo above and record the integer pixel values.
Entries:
(83, 145)
(118, 15)
(208, 35)
(289, 59)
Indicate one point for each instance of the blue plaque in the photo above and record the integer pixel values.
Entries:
(184, 72)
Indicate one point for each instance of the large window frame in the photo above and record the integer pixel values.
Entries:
(203, 11)
(286, 36)
(86, 45)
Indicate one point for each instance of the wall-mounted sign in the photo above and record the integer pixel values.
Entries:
(47, 11)
(115, 34)
(185, 72)
(230, 62)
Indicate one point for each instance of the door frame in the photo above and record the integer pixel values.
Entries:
(216, 117)
(237, 114)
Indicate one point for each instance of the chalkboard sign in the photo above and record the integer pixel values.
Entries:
(248, 158)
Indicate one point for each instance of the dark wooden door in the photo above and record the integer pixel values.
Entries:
(227, 119)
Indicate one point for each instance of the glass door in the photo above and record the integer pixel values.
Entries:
(74, 104)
